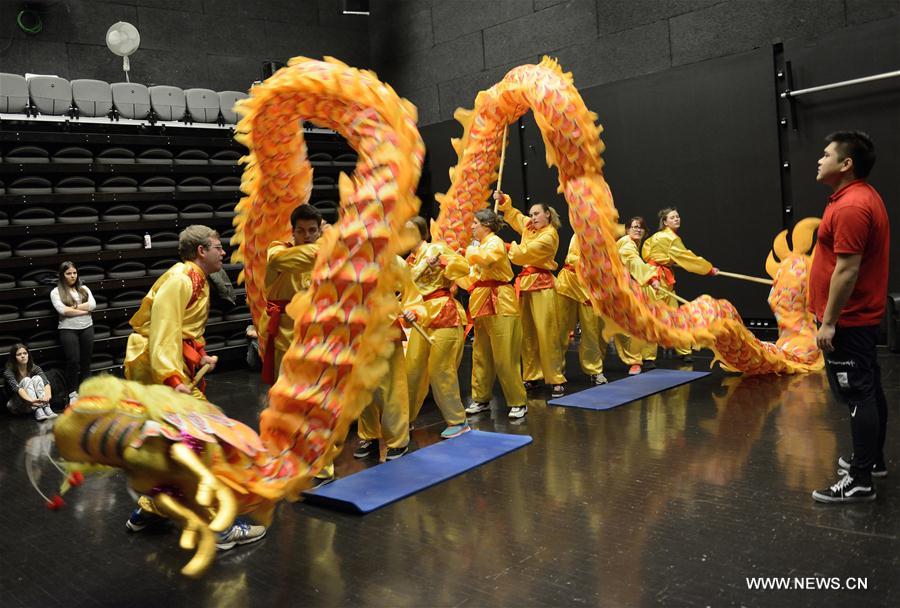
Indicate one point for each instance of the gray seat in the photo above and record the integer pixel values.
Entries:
(27, 155)
(196, 211)
(227, 184)
(225, 157)
(127, 270)
(203, 104)
(79, 214)
(159, 267)
(225, 210)
(93, 98)
(320, 159)
(225, 237)
(36, 247)
(236, 339)
(7, 281)
(159, 183)
(34, 216)
(118, 184)
(124, 242)
(116, 156)
(328, 209)
(13, 93)
(122, 213)
(154, 156)
(324, 183)
(191, 156)
(44, 339)
(75, 184)
(214, 343)
(72, 155)
(160, 212)
(81, 244)
(102, 301)
(195, 183)
(227, 99)
(51, 95)
(215, 316)
(101, 361)
(101, 331)
(36, 278)
(238, 312)
(90, 273)
(122, 329)
(127, 298)
(41, 308)
(168, 102)
(8, 312)
(5, 250)
(6, 342)
(131, 99)
(164, 240)
(345, 160)
(4, 218)
(30, 185)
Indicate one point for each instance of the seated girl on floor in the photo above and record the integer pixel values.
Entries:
(27, 385)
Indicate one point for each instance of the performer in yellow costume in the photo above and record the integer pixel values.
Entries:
(572, 304)
(167, 345)
(494, 309)
(434, 267)
(288, 272)
(665, 249)
(634, 352)
(387, 417)
(541, 357)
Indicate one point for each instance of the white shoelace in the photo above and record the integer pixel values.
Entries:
(841, 485)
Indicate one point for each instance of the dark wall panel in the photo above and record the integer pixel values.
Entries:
(702, 138)
(872, 107)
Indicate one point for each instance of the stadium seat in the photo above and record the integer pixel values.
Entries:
(93, 98)
(13, 94)
(227, 99)
(168, 102)
(51, 95)
(203, 104)
(131, 99)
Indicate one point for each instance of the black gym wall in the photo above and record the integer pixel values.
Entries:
(690, 112)
(216, 44)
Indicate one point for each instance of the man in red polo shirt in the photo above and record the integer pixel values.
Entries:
(847, 293)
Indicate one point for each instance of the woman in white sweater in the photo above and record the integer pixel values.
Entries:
(74, 303)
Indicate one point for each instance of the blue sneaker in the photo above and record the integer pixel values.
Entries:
(455, 431)
(240, 533)
(140, 519)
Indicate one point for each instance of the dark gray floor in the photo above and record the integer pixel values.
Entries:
(674, 500)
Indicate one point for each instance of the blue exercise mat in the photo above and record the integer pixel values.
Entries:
(389, 482)
(628, 389)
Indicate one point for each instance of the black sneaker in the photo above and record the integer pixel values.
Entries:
(395, 453)
(879, 469)
(847, 489)
(530, 385)
(687, 358)
(558, 390)
(648, 365)
(366, 448)
(318, 482)
(141, 519)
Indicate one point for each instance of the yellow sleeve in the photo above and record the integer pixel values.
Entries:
(536, 251)
(642, 272)
(284, 258)
(410, 297)
(687, 259)
(574, 254)
(455, 266)
(488, 253)
(515, 218)
(166, 321)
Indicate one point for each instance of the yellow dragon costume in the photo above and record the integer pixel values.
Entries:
(202, 468)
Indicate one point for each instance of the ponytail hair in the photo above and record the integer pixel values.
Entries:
(489, 219)
(554, 216)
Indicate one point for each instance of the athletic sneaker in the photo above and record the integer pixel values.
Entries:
(395, 453)
(140, 519)
(847, 489)
(476, 408)
(366, 448)
(49, 413)
(518, 412)
(878, 469)
(240, 533)
(533, 384)
(318, 482)
(687, 358)
(39, 414)
(634, 370)
(558, 390)
(599, 379)
(455, 431)
(73, 396)
(648, 365)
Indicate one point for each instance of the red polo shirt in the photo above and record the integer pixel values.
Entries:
(855, 222)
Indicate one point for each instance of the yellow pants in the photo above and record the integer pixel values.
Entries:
(139, 368)
(496, 352)
(437, 365)
(387, 417)
(540, 337)
(634, 351)
(590, 350)
(673, 303)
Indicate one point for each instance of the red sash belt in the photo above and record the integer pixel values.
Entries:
(529, 270)
(491, 304)
(274, 308)
(193, 352)
(569, 267)
(667, 275)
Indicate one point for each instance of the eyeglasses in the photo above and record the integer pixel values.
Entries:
(637, 228)
(219, 247)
